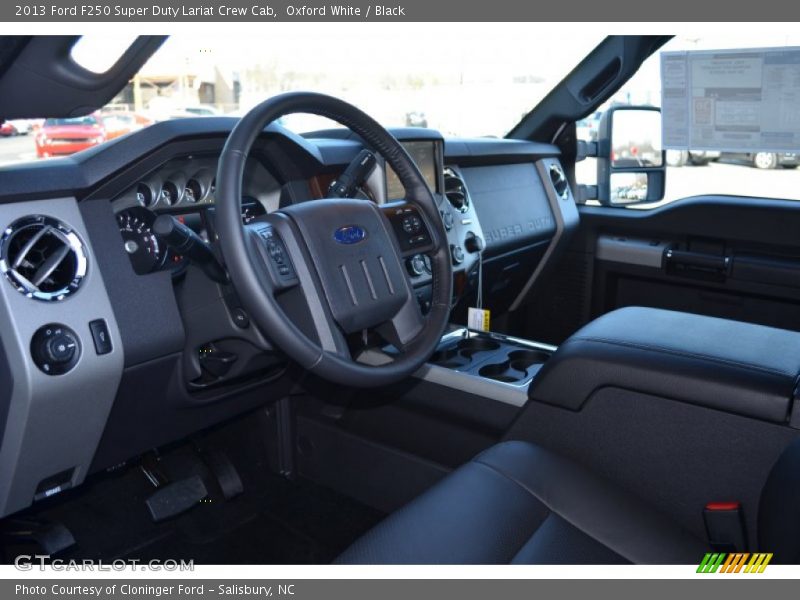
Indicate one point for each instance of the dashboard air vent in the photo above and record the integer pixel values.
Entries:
(42, 257)
(456, 191)
(559, 180)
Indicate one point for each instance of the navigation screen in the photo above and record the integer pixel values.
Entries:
(424, 154)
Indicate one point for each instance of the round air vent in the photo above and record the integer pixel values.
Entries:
(42, 257)
(456, 191)
(559, 180)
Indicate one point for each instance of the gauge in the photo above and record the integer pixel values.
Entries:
(144, 195)
(141, 244)
(193, 192)
(169, 193)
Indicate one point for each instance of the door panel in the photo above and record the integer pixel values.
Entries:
(730, 257)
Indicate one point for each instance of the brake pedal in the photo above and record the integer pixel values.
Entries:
(224, 472)
(176, 498)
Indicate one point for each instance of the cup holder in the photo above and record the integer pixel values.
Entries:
(525, 358)
(504, 371)
(519, 365)
(515, 368)
(449, 357)
(462, 353)
(472, 346)
(507, 365)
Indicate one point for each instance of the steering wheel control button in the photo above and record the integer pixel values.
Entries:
(100, 336)
(275, 251)
(240, 318)
(55, 349)
(409, 228)
(416, 265)
(457, 254)
(275, 255)
(412, 224)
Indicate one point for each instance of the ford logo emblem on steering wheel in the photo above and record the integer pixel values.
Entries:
(350, 234)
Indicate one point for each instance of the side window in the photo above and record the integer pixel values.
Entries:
(696, 172)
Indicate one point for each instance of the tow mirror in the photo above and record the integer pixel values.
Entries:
(631, 166)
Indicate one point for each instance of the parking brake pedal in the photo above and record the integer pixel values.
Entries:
(51, 538)
(176, 498)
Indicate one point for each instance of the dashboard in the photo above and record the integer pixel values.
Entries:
(157, 349)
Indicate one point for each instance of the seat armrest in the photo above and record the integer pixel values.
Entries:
(727, 365)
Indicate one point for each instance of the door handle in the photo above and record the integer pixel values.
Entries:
(697, 265)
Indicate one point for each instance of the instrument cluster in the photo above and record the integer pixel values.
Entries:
(184, 188)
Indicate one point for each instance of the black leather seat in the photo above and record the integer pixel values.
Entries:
(519, 503)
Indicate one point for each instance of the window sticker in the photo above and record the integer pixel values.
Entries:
(731, 100)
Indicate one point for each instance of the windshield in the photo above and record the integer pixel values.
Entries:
(462, 79)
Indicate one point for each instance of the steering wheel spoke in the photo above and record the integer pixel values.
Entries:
(295, 283)
(402, 329)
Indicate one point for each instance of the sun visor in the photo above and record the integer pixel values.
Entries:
(44, 80)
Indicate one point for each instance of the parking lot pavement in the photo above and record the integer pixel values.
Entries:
(16, 149)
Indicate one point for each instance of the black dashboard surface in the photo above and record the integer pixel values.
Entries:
(105, 181)
(512, 205)
(292, 155)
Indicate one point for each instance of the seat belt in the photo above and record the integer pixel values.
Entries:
(725, 526)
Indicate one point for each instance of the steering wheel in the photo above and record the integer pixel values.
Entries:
(315, 272)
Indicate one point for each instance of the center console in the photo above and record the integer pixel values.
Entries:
(729, 366)
(681, 409)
